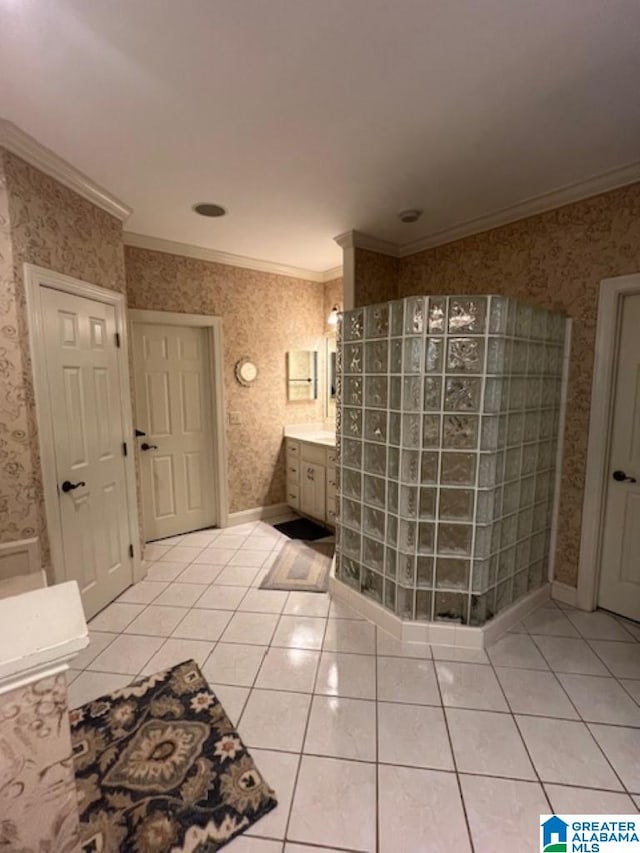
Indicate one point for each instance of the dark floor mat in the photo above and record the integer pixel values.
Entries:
(302, 528)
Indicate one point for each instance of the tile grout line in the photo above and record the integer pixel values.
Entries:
(251, 688)
(299, 754)
(453, 757)
(231, 612)
(587, 675)
(522, 739)
(123, 633)
(609, 674)
(582, 722)
(304, 737)
(405, 703)
(588, 641)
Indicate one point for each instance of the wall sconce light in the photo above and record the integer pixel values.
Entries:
(332, 319)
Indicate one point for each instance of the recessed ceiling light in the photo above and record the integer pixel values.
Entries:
(204, 208)
(409, 216)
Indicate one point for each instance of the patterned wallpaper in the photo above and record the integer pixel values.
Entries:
(44, 223)
(375, 277)
(555, 260)
(263, 316)
(41, 222)
(333, 295)
(38, 797)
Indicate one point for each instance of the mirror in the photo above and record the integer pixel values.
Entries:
(330, 379)
(302, 375)
(246, 371)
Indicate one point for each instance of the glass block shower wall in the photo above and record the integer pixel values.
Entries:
(448, 417)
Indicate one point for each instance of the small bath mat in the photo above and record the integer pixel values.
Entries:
(159, 767)
(301, 566)
(302, 528)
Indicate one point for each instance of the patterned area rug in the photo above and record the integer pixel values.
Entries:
(301, 566)
(159, 767)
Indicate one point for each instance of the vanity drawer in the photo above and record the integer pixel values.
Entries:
(331, 479)
(293, 468)
(313, 453)
(331, 457)
(293, 495)
(293, 449)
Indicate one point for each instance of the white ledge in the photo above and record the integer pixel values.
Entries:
(311, 433)
(40, 632)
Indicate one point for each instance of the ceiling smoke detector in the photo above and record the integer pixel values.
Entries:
(205, 208)
(408, 216)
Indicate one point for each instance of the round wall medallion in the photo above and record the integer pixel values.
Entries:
(246, 371)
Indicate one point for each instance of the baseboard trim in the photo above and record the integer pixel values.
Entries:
(258, 513)
(564, 593)
(461, 636)
(506, 620)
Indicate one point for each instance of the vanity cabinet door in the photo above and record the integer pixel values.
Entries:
(312, 490)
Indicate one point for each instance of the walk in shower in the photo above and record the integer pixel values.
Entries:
(448, 420)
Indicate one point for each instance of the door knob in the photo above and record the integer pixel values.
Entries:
(145, 446)
(68, 486)
(621, 477)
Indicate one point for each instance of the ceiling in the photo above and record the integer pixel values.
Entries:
(308, 118)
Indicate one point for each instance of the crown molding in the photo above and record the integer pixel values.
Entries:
(27, 148)
(542, 203)
(360, 240)
(188, 250)
(332, 274)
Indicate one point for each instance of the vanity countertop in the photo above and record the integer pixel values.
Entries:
(311, 433)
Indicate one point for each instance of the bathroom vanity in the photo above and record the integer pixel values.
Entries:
(310, 455)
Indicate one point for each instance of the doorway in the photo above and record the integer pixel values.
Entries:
(610, 553)
(179, 412)
(83, 408)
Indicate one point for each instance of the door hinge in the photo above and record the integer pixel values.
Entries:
(125, 450)
(117, 336)
(131, 550)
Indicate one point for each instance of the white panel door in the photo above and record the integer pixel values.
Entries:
(620, 566)
(174, 409)
(86, 409)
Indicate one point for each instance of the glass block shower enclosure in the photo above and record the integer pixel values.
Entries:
(448, 419)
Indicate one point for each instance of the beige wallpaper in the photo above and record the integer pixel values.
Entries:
(44, 223)
(333, 295)
(375, 277)
(263, 316)
(38, 797)
(555, 260)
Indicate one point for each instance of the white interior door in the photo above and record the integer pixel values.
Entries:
(174, 409)
(82, 369)
(620, 565)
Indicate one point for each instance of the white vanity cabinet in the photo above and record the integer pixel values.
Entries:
(311, 479)
(313, 490)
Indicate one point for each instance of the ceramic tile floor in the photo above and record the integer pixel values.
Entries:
(372, 745)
